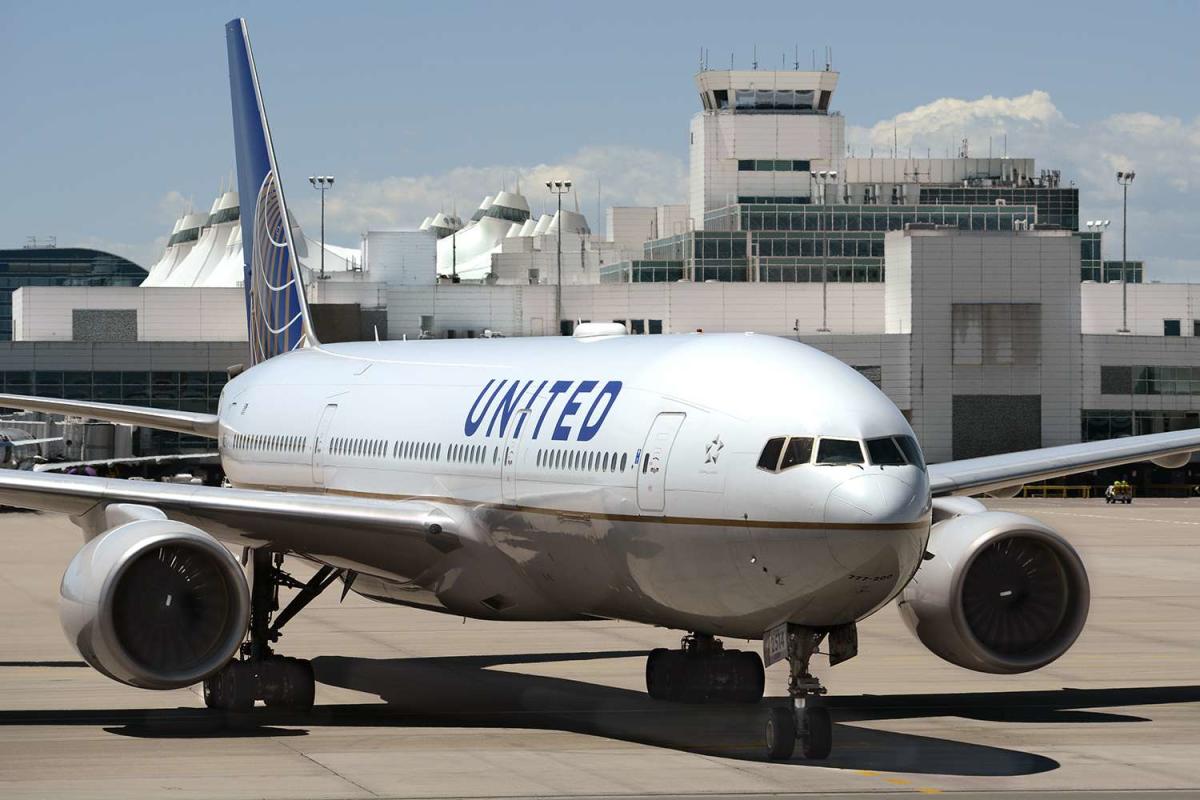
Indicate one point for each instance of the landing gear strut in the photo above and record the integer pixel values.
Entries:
(260, 674)
(703, 670)
(803, 720)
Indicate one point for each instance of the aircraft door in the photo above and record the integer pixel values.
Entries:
(321, 445)
(652, 471)
(509, 456)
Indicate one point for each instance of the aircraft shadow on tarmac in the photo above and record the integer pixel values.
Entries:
(467, 692)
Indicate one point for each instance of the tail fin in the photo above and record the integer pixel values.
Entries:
(276, 309)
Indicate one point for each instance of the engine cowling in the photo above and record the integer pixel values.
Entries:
(1002, 593)
(155, 603)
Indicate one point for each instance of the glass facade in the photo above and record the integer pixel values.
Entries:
(1056, 205)
(59, 266)
(772, 165)
(798, 242)
(868, 218)
(183, 391)
(1114, 423)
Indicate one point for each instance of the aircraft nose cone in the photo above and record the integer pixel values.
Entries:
(877, 530)
(874, 498)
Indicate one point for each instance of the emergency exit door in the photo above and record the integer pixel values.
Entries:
(652, 471)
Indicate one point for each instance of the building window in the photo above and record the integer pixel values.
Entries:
(773, 165)
(1171, 327)
(1116, 380)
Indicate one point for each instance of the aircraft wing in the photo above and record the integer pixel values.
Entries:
(980, 475)
(59, 466)
(160, 418)
(23, 442)
(401, 536)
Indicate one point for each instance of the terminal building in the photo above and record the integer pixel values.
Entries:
(963, 287)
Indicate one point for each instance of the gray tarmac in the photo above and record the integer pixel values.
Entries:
(414, 704)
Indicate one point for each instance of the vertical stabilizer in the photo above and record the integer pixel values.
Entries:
(276, 309)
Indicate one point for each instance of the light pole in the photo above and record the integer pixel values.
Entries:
(1124, 178)
(321, 182)
(558, 189)
(825, 178)
(1099, 226)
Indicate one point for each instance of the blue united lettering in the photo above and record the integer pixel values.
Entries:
(560, 410)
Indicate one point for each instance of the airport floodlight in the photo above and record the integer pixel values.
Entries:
(558, 188)
(322, 183)
(1124, 178)
(833, 175)
(1106, 222)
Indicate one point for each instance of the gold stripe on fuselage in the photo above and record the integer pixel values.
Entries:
(577, 514)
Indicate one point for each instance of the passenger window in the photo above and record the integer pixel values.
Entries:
(912, 451)
(798, 451)
(769, 459)
(623, 455)
(884, 452)
(839, 451)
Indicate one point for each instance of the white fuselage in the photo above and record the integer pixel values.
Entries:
(599, 477)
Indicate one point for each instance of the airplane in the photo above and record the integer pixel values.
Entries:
(724, 485)
(13, 444)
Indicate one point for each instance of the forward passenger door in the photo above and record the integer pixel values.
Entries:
(652, 471)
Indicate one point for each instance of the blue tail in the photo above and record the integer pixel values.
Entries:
(276, 310)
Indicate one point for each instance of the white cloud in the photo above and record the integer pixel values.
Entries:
(624, 175)
(173, 205)
(1164, 152)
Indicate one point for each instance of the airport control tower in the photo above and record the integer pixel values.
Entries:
(758, 137)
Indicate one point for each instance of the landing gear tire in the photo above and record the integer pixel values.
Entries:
(703, 671)
(288, 683)
(780, 734)
(657, 673)
(231, 689)
(817, 739)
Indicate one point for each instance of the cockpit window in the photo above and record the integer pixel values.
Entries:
(839, 451)
(911, 450)
(769, 460)
(885, 452)
(798, 451)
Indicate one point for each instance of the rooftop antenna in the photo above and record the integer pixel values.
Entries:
(814, 61)
(828, 58)
(755, 57)
(782, 61)
(702, 59)
(796, 63)
(731, 61)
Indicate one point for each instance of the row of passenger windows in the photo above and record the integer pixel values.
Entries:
(581, 460)
(266, 443)
(557, 459)
(782, 452)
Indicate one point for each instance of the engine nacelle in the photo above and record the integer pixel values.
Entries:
(1002, 593)
(155, 604)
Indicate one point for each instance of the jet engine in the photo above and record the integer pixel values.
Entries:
(997, 592)
(155, 603)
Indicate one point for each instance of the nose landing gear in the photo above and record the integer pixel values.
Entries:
(702, 670)
(804, 720)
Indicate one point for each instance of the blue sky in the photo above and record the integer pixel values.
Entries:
(116, 115)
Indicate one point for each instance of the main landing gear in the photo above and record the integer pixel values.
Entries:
(804, 720)
(260, 674)
(702, 670)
